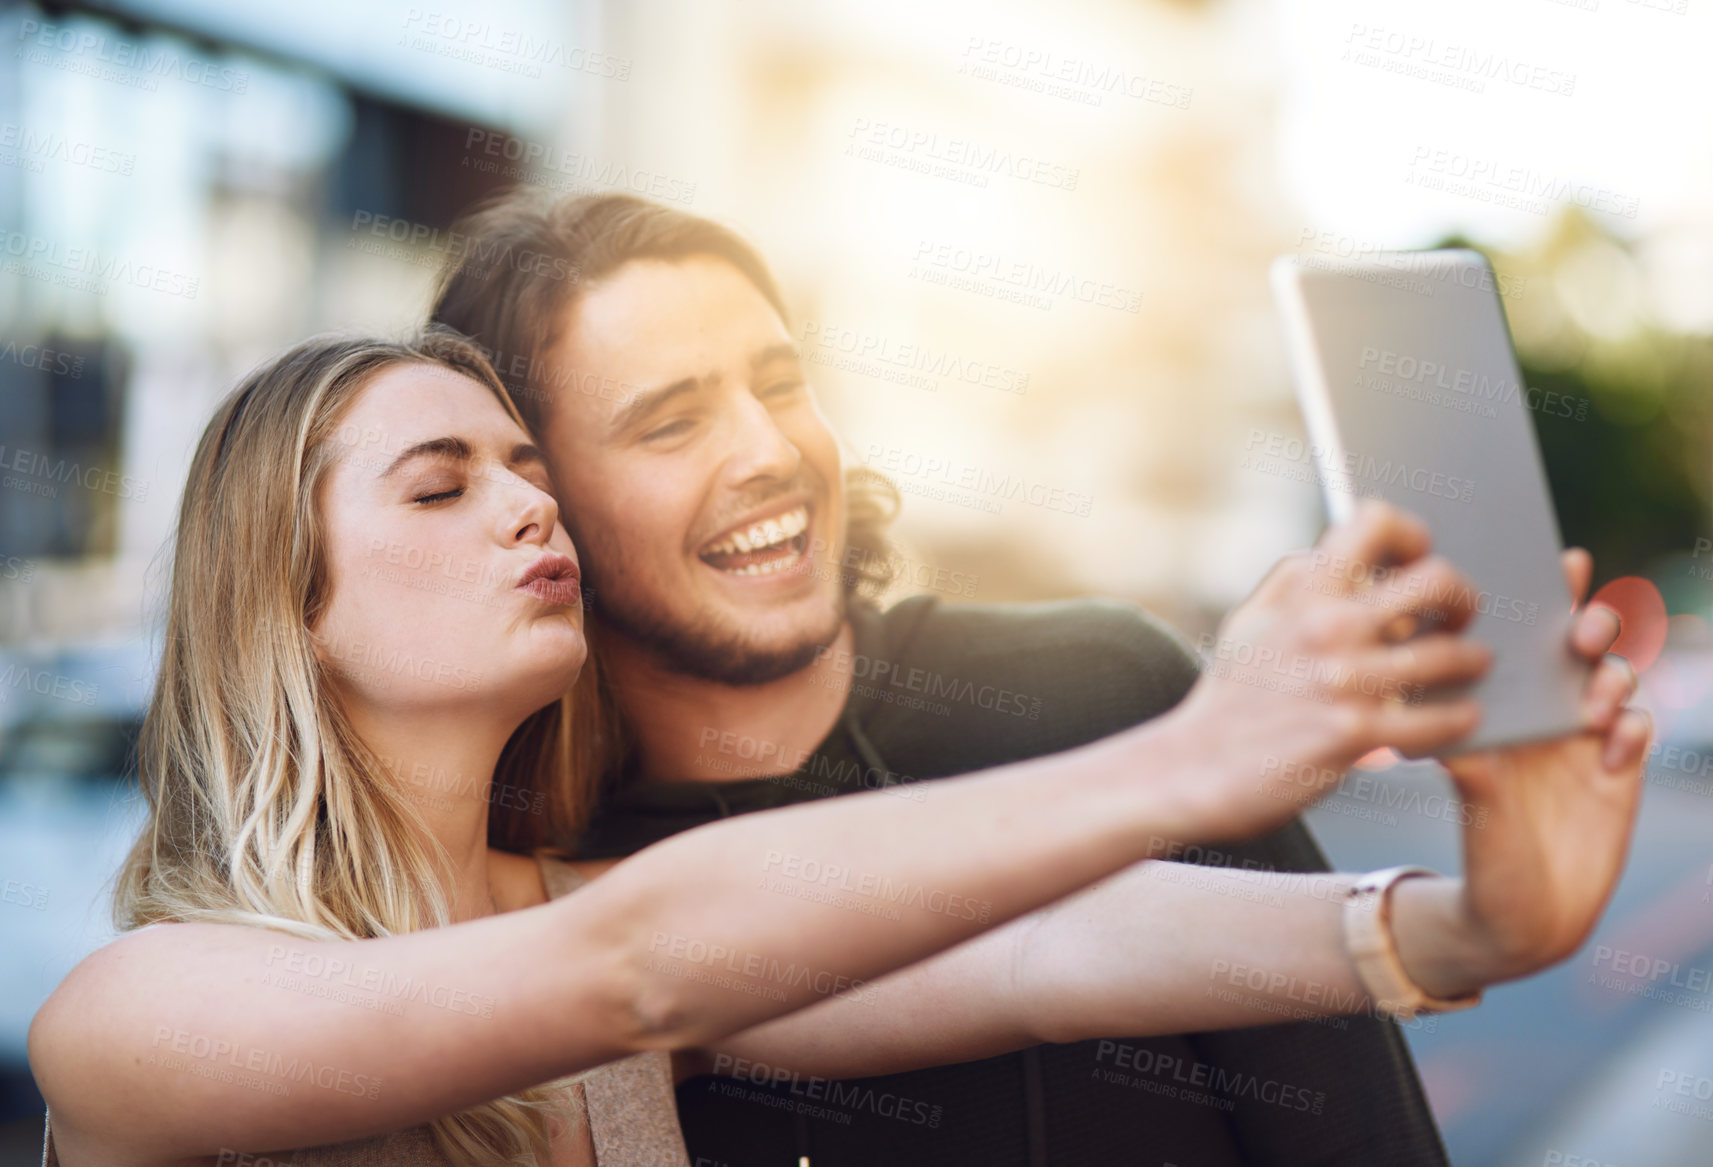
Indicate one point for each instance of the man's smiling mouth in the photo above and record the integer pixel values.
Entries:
(769, 545)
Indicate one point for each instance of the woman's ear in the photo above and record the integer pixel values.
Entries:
(318, 643)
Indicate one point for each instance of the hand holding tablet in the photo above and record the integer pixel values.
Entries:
(1411, 394)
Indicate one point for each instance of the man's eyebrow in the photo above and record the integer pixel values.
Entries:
(650, 400)
(774, 352)
(526, 452)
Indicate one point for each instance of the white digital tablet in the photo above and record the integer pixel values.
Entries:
(1411, 393)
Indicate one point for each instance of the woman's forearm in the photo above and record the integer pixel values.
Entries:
(752, 917)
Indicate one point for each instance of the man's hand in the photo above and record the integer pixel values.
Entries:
(1311, 671)
(1555, 820)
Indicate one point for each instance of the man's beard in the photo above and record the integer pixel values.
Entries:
(696, 650)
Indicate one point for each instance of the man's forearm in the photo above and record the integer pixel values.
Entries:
(1158, 948)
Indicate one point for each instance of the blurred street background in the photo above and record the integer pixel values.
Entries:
(1025, 248)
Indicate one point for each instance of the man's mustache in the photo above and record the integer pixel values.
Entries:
(812, 486)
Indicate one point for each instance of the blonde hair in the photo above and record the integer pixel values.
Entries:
(264, 807)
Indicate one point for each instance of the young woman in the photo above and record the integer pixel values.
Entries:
(339, 935)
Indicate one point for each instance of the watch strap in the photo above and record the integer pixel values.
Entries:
(1369, 940)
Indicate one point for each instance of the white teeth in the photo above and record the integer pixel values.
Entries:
(766, 568)
(762, 535)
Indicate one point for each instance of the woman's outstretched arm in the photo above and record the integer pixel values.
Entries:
(183, 1039)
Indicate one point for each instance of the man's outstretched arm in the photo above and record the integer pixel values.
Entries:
(1164, 948)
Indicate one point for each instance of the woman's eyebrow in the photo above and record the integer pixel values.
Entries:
(459, 450)
(448, 447)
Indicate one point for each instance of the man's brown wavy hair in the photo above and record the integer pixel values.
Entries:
(524, 257)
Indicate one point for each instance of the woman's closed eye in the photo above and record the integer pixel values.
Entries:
(438, 496)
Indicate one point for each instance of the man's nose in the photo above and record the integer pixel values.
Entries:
(760, 449)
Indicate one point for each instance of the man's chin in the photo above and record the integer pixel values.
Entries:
(727, 655)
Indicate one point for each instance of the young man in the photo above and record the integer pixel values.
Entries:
(728, 551)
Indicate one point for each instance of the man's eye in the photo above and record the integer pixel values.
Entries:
(670, 430)
(440, 496)
(782, 389)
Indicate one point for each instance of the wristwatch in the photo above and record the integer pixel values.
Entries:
(1368, 938)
